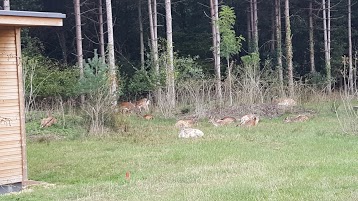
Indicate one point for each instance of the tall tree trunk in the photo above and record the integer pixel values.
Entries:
(216, 52)
(155, 21)
(141, 37)
(252, 25)
(311, 38)
(229, 77)
(6, 4)
(273, 29)
(79, 40)
(289, 53)
(327, 46)
(256, 32)
(102, 51)
(62, 41)
(111, 59)
(213, 30)
(279, 45)
(170, 61)
(216, 5)
(153, 26)
(350, 59)
(249, 30)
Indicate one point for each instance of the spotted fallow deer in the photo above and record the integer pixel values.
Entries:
(298, 118)
(48, 121)
(249, 120)
(185, 123)
(142, 104)
(148, 116)
(222, 121)
(127, 107)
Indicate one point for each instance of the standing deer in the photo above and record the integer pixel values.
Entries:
(127, 107)
(222, 121)
(142, 104)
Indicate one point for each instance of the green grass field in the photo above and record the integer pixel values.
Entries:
(274, 161)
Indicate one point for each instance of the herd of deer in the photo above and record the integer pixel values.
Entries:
(185, 125)
(138, 106)
(248, 120)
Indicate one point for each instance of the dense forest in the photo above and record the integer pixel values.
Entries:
(255, 26)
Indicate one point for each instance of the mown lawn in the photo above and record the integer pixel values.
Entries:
(275, 161)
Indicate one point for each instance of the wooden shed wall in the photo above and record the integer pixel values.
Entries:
(11, 123)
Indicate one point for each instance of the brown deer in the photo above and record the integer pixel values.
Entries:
(142, 104)
(249, 120)
(185, 123)
(127, 107)
(148, 117)
(298, 118)
(48, 121)
(222, 121)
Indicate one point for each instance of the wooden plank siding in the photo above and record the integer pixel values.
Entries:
(29, 21)
(12, 146)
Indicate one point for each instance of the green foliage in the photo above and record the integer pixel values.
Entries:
(44, 77)
(31, 46)
(95, 79)
(34, 5)
(142, 81)
(145, 80)
(251, 62)
(187, 68)
(118, 122)
(316, 79)
(95, 86)
(230, 44)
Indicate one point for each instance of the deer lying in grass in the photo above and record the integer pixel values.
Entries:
(298, 118)
(249, 120)
(148, 116)
(190, 133)
(142, 104)
(48, 121)
(222, 121)
(185, 123)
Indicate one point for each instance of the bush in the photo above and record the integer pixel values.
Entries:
(95, 86)
(46, 78)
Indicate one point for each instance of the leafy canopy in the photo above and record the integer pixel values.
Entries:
(230, 44)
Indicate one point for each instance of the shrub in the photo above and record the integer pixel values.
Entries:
(47, 78)
(95, 86)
